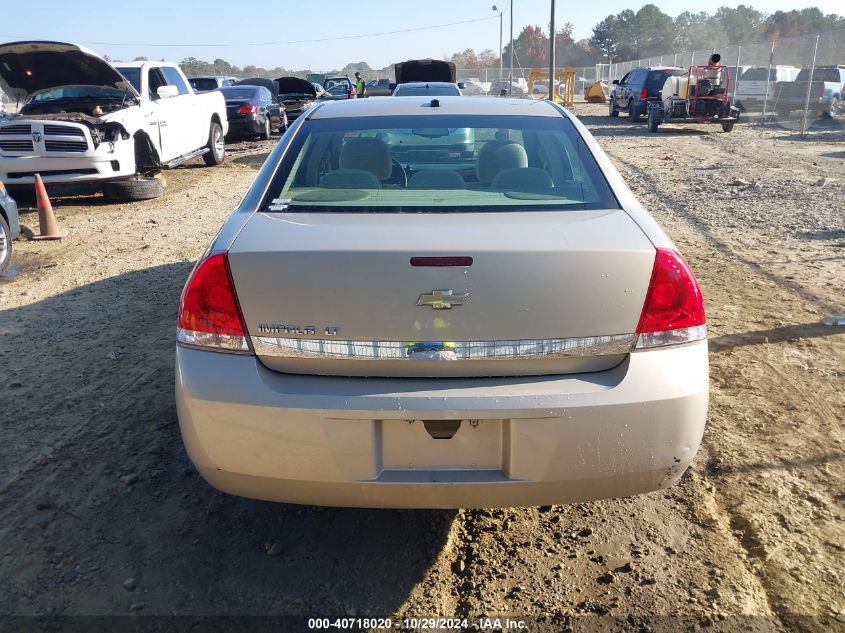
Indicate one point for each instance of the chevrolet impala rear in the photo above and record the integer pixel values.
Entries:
(385, 322)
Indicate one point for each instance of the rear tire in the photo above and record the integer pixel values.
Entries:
(727, 127)
(134, 189)
(267, 133)
(832, 108)
(5, 244)
(652, 120)
(633, 111)
(613, 111)
(216, 153)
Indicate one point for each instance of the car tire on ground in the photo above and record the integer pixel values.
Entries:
(633, 110)
(613, 110)
(5, 244)
(832, 108)
(652, 120)
(216, 153)
(283, 124)
(267, 132)
(134, 189)
(727, 127)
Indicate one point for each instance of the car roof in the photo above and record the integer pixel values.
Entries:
(421, 106)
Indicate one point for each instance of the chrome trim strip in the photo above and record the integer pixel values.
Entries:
(282, 347)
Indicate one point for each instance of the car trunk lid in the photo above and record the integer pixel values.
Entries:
(337, 294)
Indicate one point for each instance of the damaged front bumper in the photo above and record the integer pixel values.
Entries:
(63, 152)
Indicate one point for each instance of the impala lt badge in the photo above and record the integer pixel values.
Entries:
(442, 299)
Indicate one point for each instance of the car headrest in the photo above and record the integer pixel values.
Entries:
(529, 179)
(349, 179)
(436, 180)
(494, 156)
(369, 154)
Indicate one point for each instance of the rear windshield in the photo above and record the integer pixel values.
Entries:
(203, 83)
(426, 91)
(239, 92)
(820, 74)
(438, 164)
(656, 78)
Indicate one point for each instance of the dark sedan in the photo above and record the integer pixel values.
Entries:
(296, 95)
(252, 110)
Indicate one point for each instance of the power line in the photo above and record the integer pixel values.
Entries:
(283, 42)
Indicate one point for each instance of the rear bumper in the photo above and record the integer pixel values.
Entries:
(348, 441)
(247, 125)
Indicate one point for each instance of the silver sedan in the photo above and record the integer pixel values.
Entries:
(387, 321)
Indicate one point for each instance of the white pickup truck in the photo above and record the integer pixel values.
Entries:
(86, 121)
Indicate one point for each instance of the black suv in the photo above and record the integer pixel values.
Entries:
(637, 88)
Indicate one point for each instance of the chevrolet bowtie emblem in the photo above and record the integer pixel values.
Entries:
(442, 299)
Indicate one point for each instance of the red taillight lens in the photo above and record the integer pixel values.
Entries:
(248, 109)
(209, 315)
(644, 95)
(674, 308)
(352, 92)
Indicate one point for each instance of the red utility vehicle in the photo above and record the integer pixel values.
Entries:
(701, 96)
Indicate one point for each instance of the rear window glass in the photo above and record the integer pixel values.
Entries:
(438, 164)
(820, 74)
(405, 90)
(656, 78)
(203, 83)
(241, 92)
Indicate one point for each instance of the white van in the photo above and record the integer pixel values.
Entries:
(751, 89)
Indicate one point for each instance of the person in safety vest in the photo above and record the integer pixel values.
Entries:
(360, 86)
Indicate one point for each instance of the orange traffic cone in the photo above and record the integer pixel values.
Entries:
(47, 226)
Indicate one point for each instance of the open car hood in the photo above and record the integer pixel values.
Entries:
(29, 67)
(295, 85)
(424, 70)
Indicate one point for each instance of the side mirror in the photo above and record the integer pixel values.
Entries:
(615, 82)
(462, 84)
(166, 92)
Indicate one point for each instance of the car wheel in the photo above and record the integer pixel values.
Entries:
(832, 108)
(727, 127)
(613, 110)
(267, 133)
(652, 120)
(5, 244)
(633, 111)
(283, 124)
(216, 153)
(134, 189)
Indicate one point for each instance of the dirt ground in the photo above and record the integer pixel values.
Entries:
(102, 514)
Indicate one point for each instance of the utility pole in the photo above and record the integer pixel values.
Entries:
(501, 15)
(552, 93)
(510, 72)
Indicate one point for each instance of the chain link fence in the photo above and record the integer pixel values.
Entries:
(795, 82)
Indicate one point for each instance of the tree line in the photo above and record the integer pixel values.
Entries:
(624, 36)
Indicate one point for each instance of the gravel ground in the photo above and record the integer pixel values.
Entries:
(102, 514)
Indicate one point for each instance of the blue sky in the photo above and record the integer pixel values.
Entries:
(249, 33)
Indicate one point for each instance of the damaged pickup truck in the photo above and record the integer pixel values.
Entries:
(86, 121)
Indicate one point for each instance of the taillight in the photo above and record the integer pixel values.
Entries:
(248, 109)
(352, 92)
(644, 95)
(673, 312)
(209, 315)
